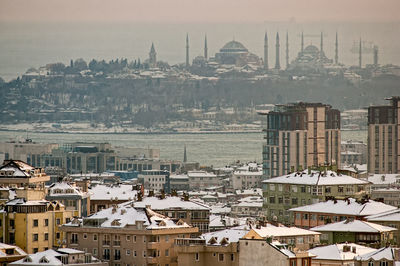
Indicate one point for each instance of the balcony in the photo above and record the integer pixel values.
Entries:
(106, 242)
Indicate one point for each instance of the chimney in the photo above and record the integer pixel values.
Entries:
(151, 193)
(354, 249)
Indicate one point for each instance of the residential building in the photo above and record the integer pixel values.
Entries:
(261, 252)
(16, 173)
(104, 196)
(353, 152)
(127, 234)
(356, 231)
(248, 207)
(389, 218)
(193, 213)
(179, 182)
(384, 138)
(385, 256)
(61, 257)
(390, 196)
(338, 254)
(71, 196)
(248, 176)
(379, 181)
(332, 211)
(199, 180)
(10, 253)
(216, 248)
(33, 225)
(292, 236)
(26, 150)
(300, 135)
(304, 188)
(156, 180)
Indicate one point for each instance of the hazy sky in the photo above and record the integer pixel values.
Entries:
(200, 10)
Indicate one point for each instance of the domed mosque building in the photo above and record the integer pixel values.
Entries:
(235, 53)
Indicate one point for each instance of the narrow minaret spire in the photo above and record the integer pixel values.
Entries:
(187, 50)
(375, 55)
(360, 55)
(266, 51)
(205, 48)
(322, 43)
(184, 154)
(336, 50)
(287, 50)
(302, 42)
(277, 62)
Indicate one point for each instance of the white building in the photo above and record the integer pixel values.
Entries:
(248, 176)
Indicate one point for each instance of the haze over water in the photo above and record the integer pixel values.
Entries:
(26, 44)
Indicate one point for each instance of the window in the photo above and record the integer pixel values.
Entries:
(134, 253)
(106, 254)
(166, 238)
(46, 222)
(370, 263)
(328, 190)
(134, 239)
(128, 238)
(74, 238)
(117, 254)
(58, 235)
(35, 223)
(196, 257)
(232, 257)
(220, 257)
(46, 236)
(35, 237)
(166, 252)
(383, 263)
(94, 251)
(272, 187)
(144, 253)
(58, 221)
(340, 189)
(303, 189)
(272, 200)
(35, 250)
(94, 237)
(294, 188)
(84, 236)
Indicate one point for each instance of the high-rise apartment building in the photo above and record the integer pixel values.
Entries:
(300, 135)
(383, 137)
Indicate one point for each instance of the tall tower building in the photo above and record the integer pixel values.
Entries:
(184, 154)
(152, 56)
(287, 50)
(277, 61)
(336, 50)
(302, 41)
(383, 138)
(300, 135)
(187, 50)
(266, 51)
(360, 55)
(205, 48)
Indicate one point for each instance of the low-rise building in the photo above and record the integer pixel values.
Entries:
(191, 212)
(248, 176)
(248, 207)
(390, 196)
(61, 257)
(10, 253)
(338, 254)
(304, 188)
(336, 210)
(386, 256)
(199, 180)
(292, 236)
(128, 234)
(156, 180)
(71, 196)
(179, 182)
(389, 218)
(360, 232)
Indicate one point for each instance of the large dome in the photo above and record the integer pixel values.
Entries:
(232, 47)
(311, 49)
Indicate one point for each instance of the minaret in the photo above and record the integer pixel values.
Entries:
(152, 56)
(287, 50)
(187, 50)
(277, 63)
(322, 44)
(360, 55)
(375, 55)
(205, 48)
(336, 50)
(266, 51)
(184, 154)
(302, 42)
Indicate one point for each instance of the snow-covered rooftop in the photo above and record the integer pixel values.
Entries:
(336, 252)
(389, 216)
(110, 192)
(230, 235)
(355, 226)
(350, 207)
(376, 255)
(315, 178)
(384, 179)
(169, 203)
(277, 231)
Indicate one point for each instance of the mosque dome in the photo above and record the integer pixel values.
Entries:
(233, 47)
(311, 49)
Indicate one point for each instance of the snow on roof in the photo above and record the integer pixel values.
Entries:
(384, 179)
(253, 191)
(18, 250)
(230, 235)
(21, 201)
(389, 216)
(351, 207)
(249, 204)
(216, 209)
(353, 226)
(277, 231)
(184, 177)
(107, 192)
(64, 188)
(376, 255)
(169, 203)
(200, 174)
(336, 252)
(34, 259)
(316, 178)
(70, 251)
